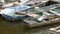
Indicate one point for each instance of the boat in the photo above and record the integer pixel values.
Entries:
(13, 10)
(32, 23)
(37, 2)
(13, 17)
(48, 4)
(41, 3)
(39, 18)
(5, 5)
(55, 30)
(55, 10)
(56, 1)
(9, 13)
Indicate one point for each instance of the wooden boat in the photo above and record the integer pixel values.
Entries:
(42, 3)
(6, 6)
(45, 18)
(55, 0)
(13, 10)
(37, 2)
(9, 13)
(32, 23)
(55, 10)
(48, 4)
(13, 17)
(55, 30)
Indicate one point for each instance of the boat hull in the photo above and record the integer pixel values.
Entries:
(55, 30)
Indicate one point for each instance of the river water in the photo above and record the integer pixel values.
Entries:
(18, 27)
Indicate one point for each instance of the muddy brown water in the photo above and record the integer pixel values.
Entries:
(18, 27)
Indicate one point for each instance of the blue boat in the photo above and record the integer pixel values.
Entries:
(9, 13)
(13, 17)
